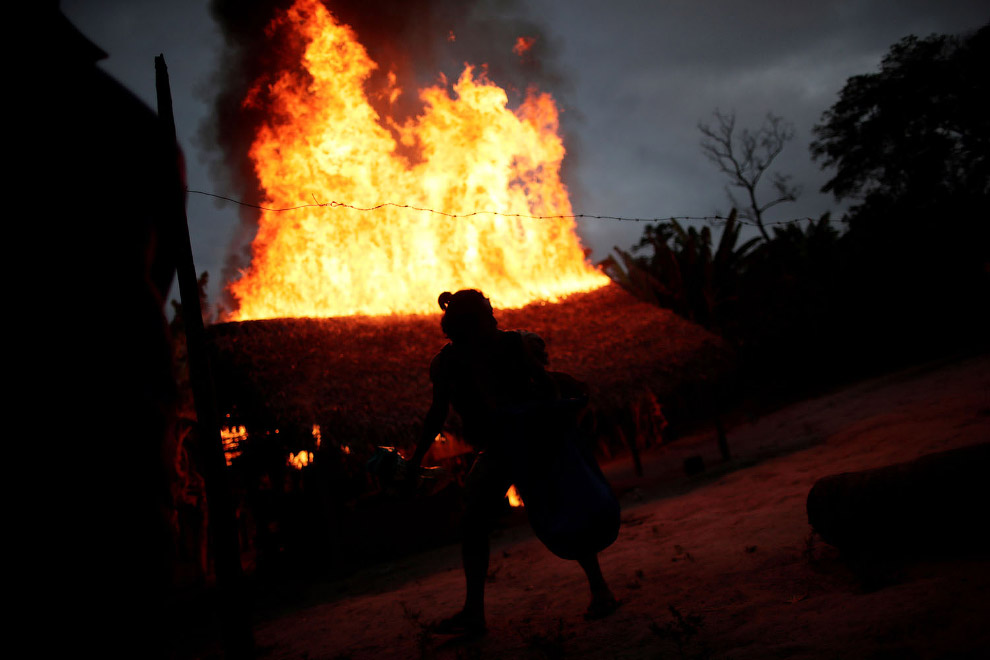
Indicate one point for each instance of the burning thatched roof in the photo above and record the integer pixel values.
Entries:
(367, 378)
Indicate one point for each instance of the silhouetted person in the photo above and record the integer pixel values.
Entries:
(496, 382)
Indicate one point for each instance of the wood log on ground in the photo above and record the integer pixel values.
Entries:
(936, 503)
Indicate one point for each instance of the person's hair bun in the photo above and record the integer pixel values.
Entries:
(444, 300)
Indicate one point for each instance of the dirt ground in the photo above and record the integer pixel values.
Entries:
(722, 564)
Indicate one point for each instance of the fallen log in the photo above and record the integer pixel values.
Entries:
(935, 503)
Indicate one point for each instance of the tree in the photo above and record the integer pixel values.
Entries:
(911, 143)
(684, 273)
(744, 158)
(915, 136)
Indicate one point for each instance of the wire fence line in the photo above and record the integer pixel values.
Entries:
(582, 216)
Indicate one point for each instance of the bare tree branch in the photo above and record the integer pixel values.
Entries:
(745, 157)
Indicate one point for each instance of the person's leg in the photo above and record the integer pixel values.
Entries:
(485, 488)
(475, 555)
(474, 552)
(603, 602)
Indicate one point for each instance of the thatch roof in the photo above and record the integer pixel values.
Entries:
(366, 379)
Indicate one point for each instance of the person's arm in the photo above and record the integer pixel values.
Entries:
(432, 426)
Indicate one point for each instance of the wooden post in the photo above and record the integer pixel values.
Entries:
(721, 438)
(234, 614)
(628, 425)
(720, 397)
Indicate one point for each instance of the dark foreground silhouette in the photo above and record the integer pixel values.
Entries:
(103, 374)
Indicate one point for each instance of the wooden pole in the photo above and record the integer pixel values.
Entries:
(234, 608)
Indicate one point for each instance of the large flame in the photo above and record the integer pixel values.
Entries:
(323, 141)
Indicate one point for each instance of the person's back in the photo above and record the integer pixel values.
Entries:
(489, 381)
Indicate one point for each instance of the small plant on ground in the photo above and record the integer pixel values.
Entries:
(424, 640)
(680, 631)
(549, 644)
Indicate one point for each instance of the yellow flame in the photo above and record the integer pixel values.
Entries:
(231, 437)
(323, 139)
(513, 495)
(300, 460)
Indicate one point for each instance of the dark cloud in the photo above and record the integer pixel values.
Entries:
(645, 74)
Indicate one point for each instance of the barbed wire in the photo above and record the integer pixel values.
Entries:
(583, 216)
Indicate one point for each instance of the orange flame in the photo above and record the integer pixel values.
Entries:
(523, 44)
(231, 437)
(300, 460)
(324, 141)
(513, 495)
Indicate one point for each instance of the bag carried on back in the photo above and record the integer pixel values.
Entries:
(570, 505)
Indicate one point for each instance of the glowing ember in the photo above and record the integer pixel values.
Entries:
(324, 141)
(448, 446)
(523, 44)
(232, 437)
(300, 460)
(513, 495)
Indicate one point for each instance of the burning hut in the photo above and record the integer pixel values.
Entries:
(330, 390)
(364, 381)
(370, 210)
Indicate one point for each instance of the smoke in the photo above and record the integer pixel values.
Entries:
(418, 40)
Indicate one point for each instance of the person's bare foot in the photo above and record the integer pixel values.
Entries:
(601, 606)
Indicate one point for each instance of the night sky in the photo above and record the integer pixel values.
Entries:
(633, 80)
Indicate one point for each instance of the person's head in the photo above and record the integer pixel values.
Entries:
(467, 315)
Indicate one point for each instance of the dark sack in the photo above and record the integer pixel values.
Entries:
(570, 505)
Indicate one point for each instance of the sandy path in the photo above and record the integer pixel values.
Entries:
(730, 550)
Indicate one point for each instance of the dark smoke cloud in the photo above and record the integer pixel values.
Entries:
(410, 37)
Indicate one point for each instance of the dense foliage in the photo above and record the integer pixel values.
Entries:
(915, 133)
(908, 279)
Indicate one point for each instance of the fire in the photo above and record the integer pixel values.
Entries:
(523, 44)
(300, 460)
(513, 495)
(232, 437)
(323, 141)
